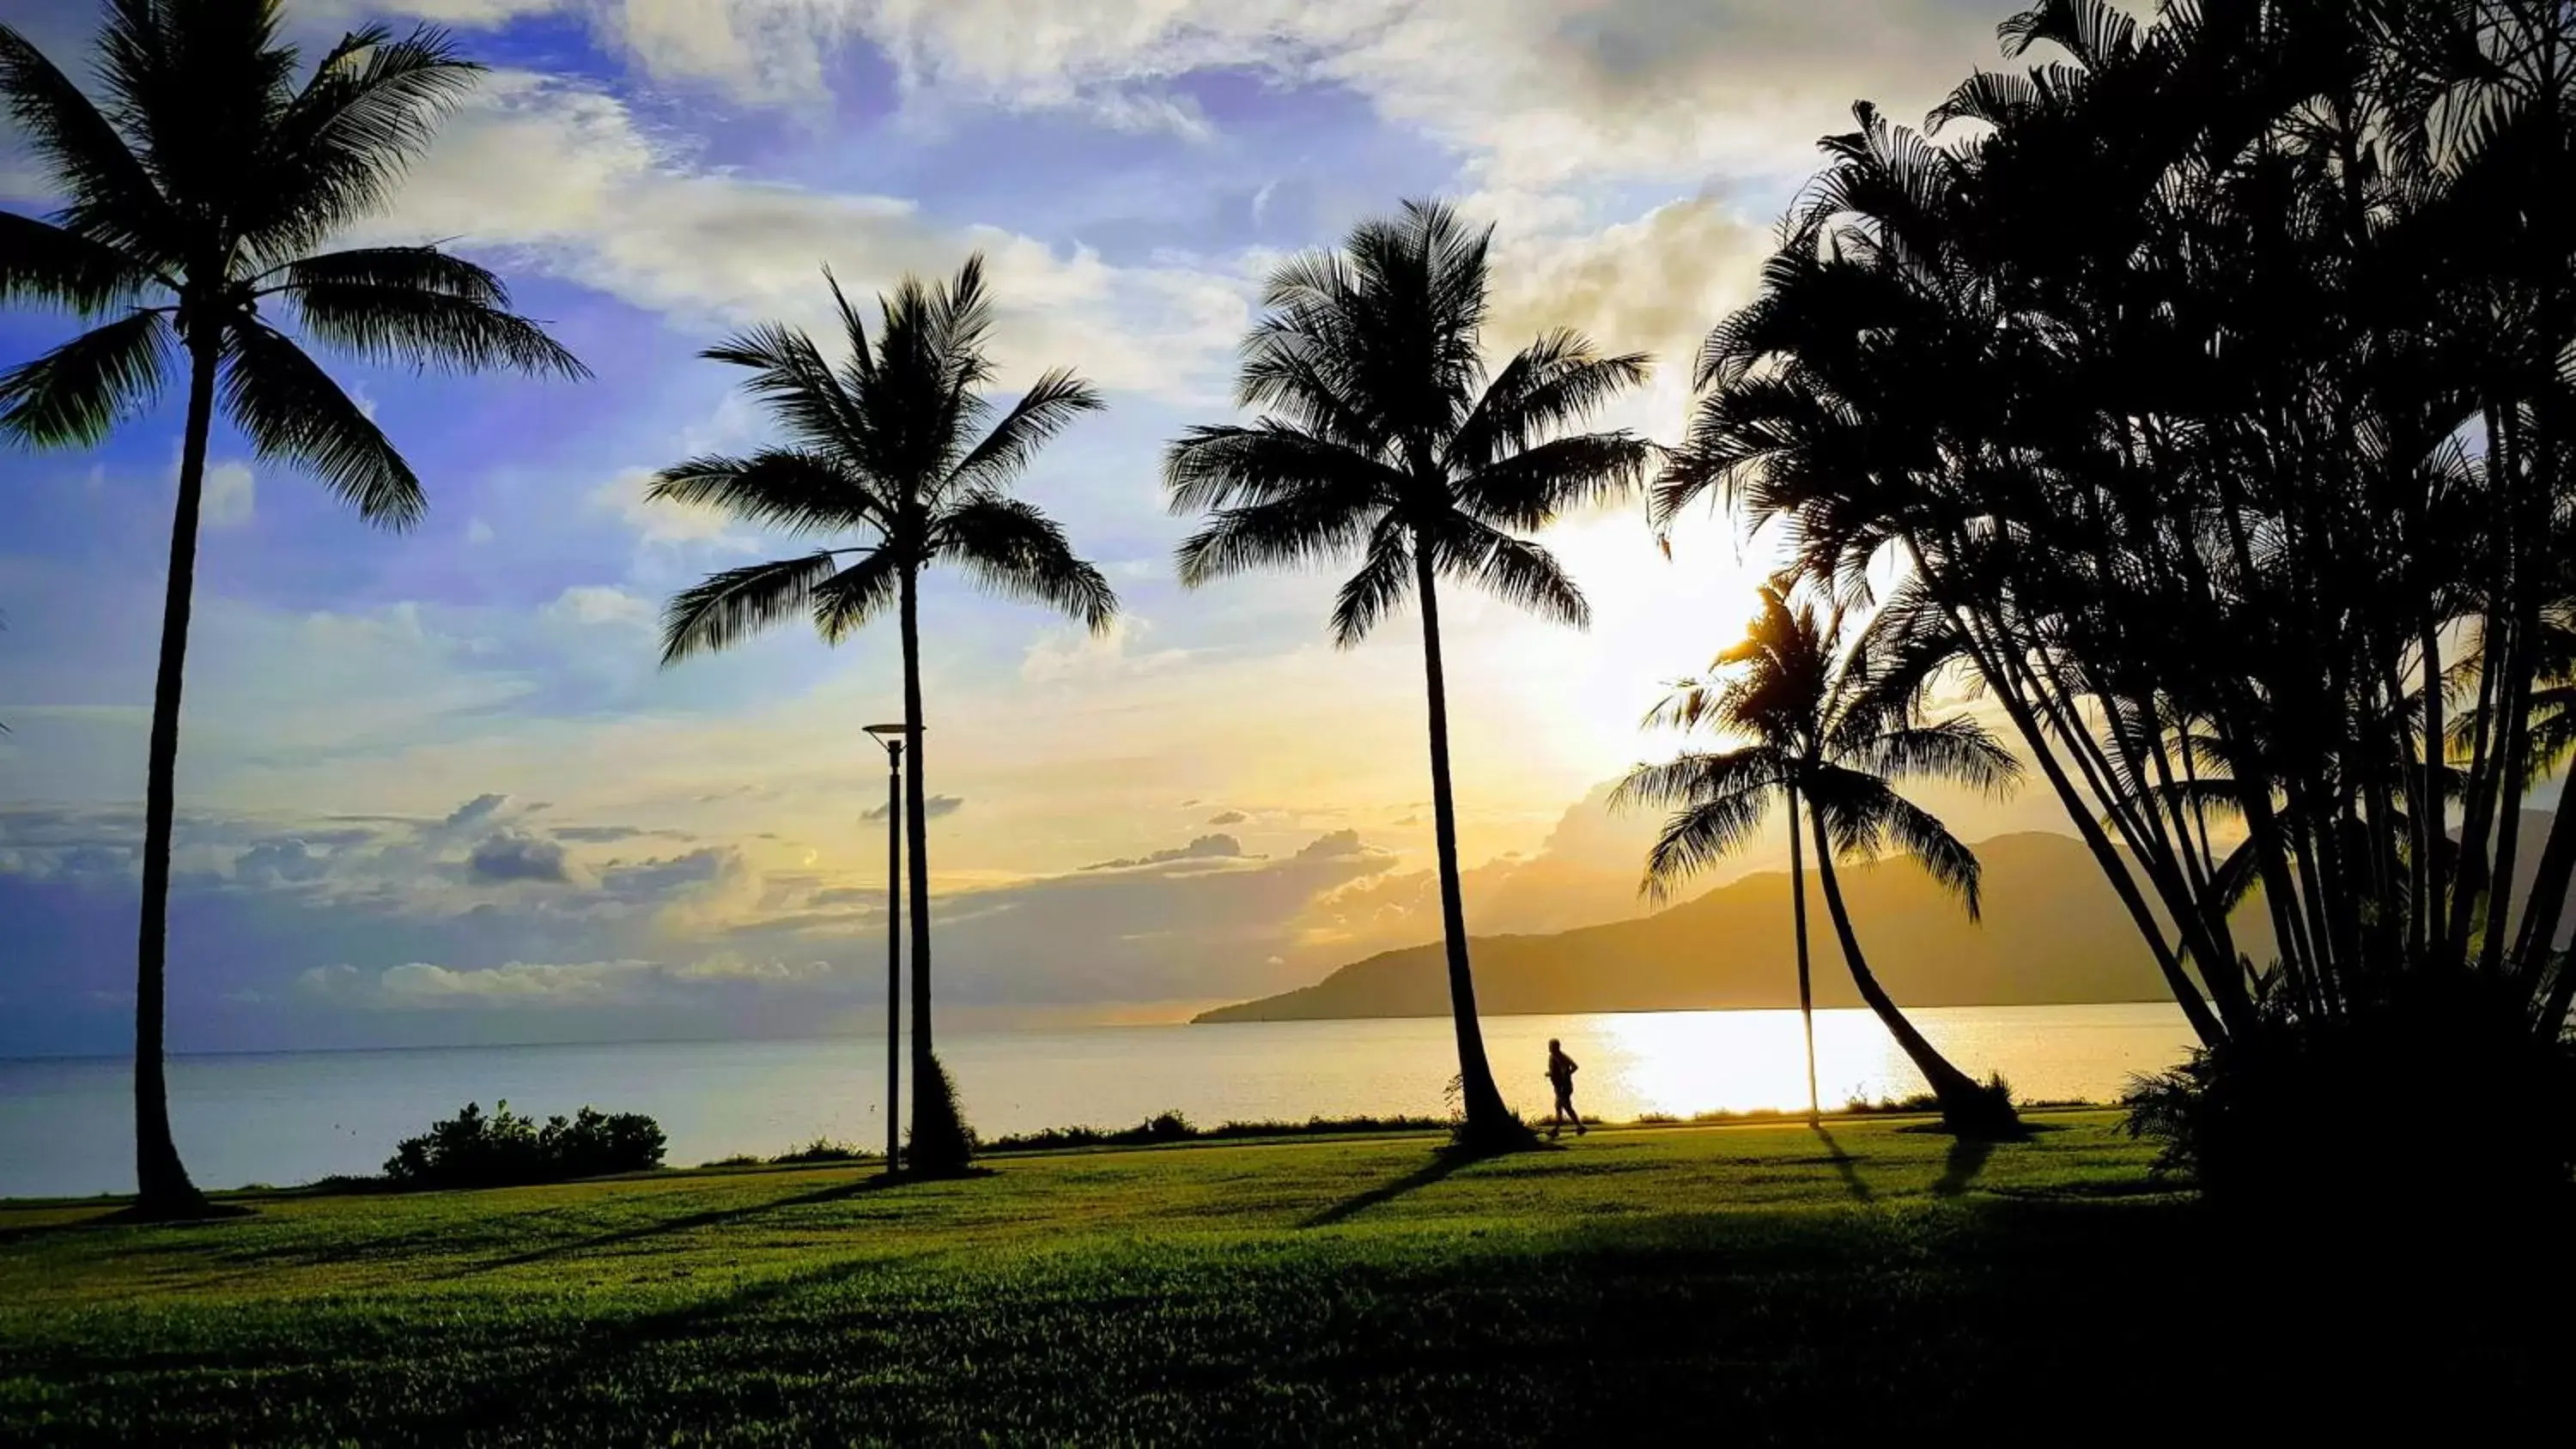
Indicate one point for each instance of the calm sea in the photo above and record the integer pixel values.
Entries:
(289, 1118)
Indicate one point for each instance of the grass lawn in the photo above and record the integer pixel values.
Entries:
(1743, 1284)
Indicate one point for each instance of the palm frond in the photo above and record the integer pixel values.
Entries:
(370, 108)
(1862, 817)
(845, 602)
(791, 377)
(1228, 466)
(76, 394)
(1553, 383)
(1957, 749)
(737, 603)
(110, 197)
(1296, 530)
(1514, 570)
(1701, 775)
(423, 329)
(44, 264)
(1718, 804)
(1046, 409)
(1531, 489)
(412, 269)
(1012, 548)
(782, 489)
(290, 409)
(1366, 598)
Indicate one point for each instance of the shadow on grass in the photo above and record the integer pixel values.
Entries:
(1967, 1159)
(1438, 1167)
(712, 1218)
(1843, 1164)
(128, 1217)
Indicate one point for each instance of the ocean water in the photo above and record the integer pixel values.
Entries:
(65, 1125)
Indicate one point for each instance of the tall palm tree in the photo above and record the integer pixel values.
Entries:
(1382, 433)
(899, 448)
(195, 202)
(1829, 730)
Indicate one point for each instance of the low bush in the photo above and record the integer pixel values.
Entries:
(823, 1149)
(505, 1148)
(1165, 1127)
(2433, 1091)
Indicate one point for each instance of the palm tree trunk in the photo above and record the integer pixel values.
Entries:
(1798, 914)
(1965, 1107)
(939, 1141)
(1490, 1124)
(161, 1180)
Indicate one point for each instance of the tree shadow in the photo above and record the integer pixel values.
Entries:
(1967, 1159)
(128, 1217)
(713, 1217)
(1440, 1166)
(1843, 1164)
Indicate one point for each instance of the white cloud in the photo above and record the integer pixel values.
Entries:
(231, 495)
(419, 984)
(666, 523)
(1654, 284)
(1540, 92)
(1075, 655)
(601, 604)
(569, 178)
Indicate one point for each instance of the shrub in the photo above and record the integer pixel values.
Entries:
(823, 1149)
(473, 1150)
(2430, 1091)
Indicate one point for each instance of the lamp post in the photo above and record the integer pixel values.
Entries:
(892, 736)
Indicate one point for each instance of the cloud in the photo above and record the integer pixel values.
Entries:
(516, 856)
(651, 880)
(565, 177)
(1654, 284)
(1537, 92)
(611, 834)
(664, 523)
(601, 604)
(1206, 847)
(1338, 844)
(475, 811)
(935, 807)
(231, 495)
(280, 861)
(421, 985)
(1228, 817)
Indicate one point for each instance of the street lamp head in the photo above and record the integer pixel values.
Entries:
(892, 736)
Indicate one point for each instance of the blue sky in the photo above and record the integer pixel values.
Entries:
(434, 787)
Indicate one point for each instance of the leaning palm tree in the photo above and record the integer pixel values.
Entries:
(1382, 434)
(1827, 731)
(194, 204)
(892, 448)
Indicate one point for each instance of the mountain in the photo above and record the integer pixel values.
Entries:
(2052, 932)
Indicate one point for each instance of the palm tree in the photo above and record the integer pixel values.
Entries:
(1829, 730)
(195, 202)
(891, 447)
(1383, 434)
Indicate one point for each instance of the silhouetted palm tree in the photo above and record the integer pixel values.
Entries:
(1828, 732)
(193, 206)
(1382, 434)
(893, 447)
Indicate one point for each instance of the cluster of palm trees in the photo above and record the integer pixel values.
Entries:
(2201, 398)
(2207, 392)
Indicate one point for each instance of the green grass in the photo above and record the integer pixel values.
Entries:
(1752, 1283)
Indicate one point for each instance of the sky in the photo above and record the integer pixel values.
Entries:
(434, 786)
